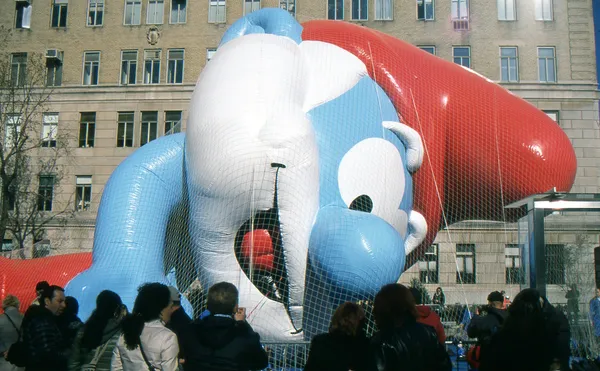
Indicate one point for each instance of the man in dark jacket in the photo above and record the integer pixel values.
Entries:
(486, 323)
(225, 341)
(46, 349)
(558, 327)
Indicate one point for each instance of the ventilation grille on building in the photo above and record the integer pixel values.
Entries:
(460, 24)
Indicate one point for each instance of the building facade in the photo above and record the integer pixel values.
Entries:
(123, 72)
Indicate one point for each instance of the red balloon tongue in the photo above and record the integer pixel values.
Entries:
(257, 247)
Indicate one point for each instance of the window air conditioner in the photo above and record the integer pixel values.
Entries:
(53, 54)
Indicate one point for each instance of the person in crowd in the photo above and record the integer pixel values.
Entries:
(10, 329)
(560, 332)
(345, 347)
(146, 344)
(572, 297)
(595, 314)
(46, 348)
(505, 300)
(225, 340)
(428, 316)
(180, 323)
(439, 298)
(96, 339)
(484, 324)
(68, 321)
(531, 333)
(401, 342)
(39, 289)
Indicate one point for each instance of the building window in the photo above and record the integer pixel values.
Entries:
(252, 5)
(429, 265)
(460, 9)
(125, 129)
(465, 262)
(12, 130)
(172, 122)
(95, 13)
(49, 129)
(547, 64)
(514, 270)
(428, 48)
(87, 129)
(543, 10)
(506, 10)
(209, 54)
(555, 264)
(18, 71)
(45, 193)
(7, 245)
(462, 55)
(91, 68)
(384, 10)
(133, 12)
(509, 64)
(425, 10)
(175, 59)
(23, 14)
(360, 10)
(335, 9)
(83, 192)
(149, 127)
(554, 115)
(152, 66)
(289, 5)
(156, 9)
(216, 11)
(59, 13)
(54, 66)
(129, 67)
(178, 11)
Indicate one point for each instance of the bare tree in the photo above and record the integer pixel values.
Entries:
(32, 151)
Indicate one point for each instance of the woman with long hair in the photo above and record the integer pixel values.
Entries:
(401, 342)
(93, 346)
(526, 335)
(345, 347)
(146, 344)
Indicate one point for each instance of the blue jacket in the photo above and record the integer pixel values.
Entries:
(595, 315)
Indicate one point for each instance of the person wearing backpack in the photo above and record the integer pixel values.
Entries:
(94, 343)
(485, 324)
(10, 329)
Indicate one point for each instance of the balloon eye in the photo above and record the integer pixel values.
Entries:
(362, 203)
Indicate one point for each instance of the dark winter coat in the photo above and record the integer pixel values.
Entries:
(413, 347)
(486, 324)
(339, 352)
(46, 348)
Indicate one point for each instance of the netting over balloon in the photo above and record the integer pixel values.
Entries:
(318, 164)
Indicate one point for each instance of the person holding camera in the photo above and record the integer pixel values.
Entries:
(484, 324)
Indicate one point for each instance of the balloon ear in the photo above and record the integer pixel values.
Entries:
(273, 21)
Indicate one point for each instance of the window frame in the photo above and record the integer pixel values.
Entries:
(553, 112)
(133, 7)
(210, 53)
(546, 62)
(173, 2)
(379, 13)
(172, 123)
(551, 279)
(423, 4)
(217, 4)
(252, 2)
(360, 2)
(174, 75)
(10, 136)
(148, 123)
(514, 6)
(159, 60)
(54, 68)
(468, 47)
(89, 11)
(425, 276)
(287, 4)
(458, 16)
(336, 11)
(21, 76)
(509, 278)
(424, 48)
(89, 52)
(45, 201)
(516, 59)
(463, 255)
(126, 126)
(50, 140)
(19, 22)
(83, 186)
(129, 62)
(162, 16)
(87, 123)
(63, 7)
(539, 7)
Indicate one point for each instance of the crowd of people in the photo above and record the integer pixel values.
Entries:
(159, 335)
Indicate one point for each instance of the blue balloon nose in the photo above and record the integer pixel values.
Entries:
(272, 21)
(354, 251)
